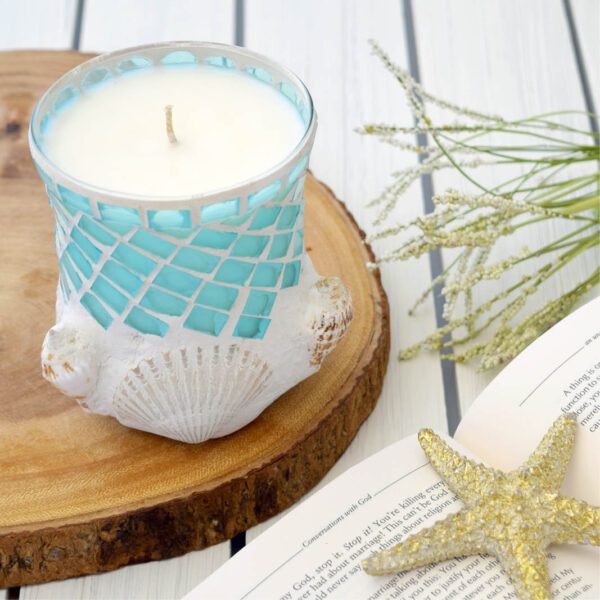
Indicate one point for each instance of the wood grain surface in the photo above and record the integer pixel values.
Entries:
(82, 494)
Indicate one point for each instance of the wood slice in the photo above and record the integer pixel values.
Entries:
(82, 494)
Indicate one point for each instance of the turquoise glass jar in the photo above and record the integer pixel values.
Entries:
(185, 317)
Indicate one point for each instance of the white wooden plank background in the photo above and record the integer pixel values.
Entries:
(526, 67)
(503, 56)
(112, 24)
(37, 24)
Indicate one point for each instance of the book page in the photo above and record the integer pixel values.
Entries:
(314, 552)
(558, 373)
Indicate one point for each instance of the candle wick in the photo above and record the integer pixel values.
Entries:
(169, 119)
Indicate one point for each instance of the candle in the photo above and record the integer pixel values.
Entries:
(227, 127)
(186, 300)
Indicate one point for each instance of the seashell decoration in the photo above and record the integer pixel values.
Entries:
(194, 394)
(329, 318)
(69, 360)
(196, 391)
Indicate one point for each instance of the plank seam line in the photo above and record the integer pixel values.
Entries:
(436, 265)
(76, 43)
(239, 541)
(239, 23)
(583, 77)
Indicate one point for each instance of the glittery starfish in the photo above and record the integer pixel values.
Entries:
(514, 516)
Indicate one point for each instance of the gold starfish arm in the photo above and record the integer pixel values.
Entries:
(464, 477)
(577, 522)
(456, 535)
(549, 461)
(527, 567)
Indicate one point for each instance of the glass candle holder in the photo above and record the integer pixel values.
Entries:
(184, 317)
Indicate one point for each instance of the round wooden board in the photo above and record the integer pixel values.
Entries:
(82, 494)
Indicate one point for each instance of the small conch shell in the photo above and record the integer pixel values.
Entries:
(328, 315)
(69, 360)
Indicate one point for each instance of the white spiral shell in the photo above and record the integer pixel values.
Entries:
(329, 315)
(193, 394)
(69, 360)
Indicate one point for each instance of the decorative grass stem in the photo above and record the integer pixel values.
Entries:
(551, 188)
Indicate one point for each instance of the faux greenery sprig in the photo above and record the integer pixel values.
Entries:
(545, 189)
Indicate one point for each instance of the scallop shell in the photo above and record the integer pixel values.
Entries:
(329, 315)
(193, 394)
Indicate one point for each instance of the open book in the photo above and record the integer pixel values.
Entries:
(315, 551)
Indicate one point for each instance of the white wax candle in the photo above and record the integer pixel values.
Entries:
(230, 127)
